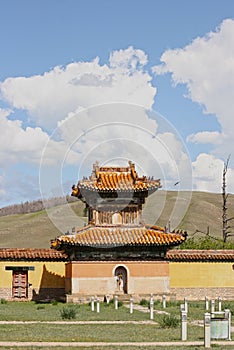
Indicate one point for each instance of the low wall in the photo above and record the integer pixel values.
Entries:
(195, 280)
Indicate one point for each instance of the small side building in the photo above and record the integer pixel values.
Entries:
(32, 274)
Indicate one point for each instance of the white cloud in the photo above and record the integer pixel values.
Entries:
(207, 174)
(49, 98)
(19, 145)
(206, 66)
(213, 137)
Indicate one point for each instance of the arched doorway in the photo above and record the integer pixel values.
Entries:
(121, 279)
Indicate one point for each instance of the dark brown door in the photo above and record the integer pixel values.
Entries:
(20, 284)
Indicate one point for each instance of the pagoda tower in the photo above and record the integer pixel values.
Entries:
(116, 249)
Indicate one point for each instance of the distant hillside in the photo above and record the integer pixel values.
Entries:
(34, 229)
(34, 206)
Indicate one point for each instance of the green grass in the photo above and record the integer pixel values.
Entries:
(35, 230)
(97, 332)
(30, 311)
(93, 333)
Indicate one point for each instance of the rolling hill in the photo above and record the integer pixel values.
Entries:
(35, 229)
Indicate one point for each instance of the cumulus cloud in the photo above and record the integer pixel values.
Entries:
(206, 66)
(213, 137)
(50, 97)
(18, 144)
(207, 174)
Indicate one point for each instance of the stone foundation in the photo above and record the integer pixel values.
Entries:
(200, 293)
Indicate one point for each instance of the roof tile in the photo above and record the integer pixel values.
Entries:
(200, 255)
(120, 235)
(116, 179)
(31, 254)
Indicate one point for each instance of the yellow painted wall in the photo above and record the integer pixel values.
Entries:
(201, 274)
(45, 274)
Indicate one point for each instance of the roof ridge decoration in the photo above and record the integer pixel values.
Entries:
(115, 178)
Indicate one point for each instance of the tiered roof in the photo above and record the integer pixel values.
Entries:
(111, 236)
(108, 179)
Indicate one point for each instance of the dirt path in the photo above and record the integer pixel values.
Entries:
(112, 345)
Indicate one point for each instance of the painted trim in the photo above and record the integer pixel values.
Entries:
(19, 268)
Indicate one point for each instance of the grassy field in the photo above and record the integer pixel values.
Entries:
(129, 332)
(35, 230)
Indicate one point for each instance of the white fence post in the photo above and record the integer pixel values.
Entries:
(207, 330)
(183, 325)
(107, 299)
(228, 316)
(98, 305)
(131, 305)
(92, 304)
(212, 307)
(116, 302)
(164, 302)
(151, 309)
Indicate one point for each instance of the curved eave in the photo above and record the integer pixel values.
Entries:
(117, 189)
(62, 244)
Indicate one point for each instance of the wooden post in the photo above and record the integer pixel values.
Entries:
(164, 302)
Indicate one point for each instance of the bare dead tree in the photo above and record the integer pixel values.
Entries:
(226, 220)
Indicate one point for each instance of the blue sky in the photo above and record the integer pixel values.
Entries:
(158, 54)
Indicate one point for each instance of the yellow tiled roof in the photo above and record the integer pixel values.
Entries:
(200, 255)
(116, 179)
(109, 236)
(31, 254)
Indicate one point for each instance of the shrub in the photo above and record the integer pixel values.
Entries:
(168, 321)
(228, 305)
(144, 302)
(40, 307)
(120, 303)
(3, 301)
(173, 303)
(68, 312)
(157, 302)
